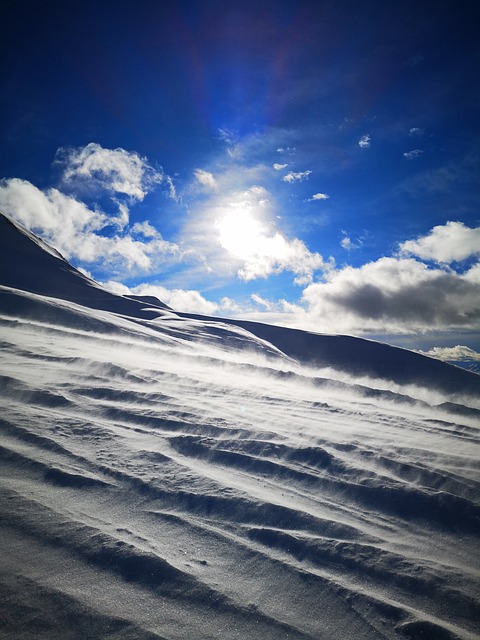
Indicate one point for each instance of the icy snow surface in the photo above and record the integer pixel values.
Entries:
(177, 477)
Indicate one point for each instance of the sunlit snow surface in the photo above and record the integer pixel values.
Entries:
(182, 479)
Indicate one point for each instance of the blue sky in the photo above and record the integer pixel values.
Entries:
(306, 163)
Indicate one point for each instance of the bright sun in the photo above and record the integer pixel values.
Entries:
(240, 233)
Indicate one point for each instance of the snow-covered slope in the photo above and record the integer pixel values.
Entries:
(178, 477)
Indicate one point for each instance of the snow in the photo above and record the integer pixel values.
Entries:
(166, 476)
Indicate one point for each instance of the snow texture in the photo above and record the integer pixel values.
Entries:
(166, 476)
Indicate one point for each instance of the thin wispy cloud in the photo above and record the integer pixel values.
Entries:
(261, 302)
(297, 176)
(206, 179)
(414, 153)
(365, 141)
(348, 244)
(227, 135)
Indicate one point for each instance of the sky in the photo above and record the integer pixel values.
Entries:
(310, 164)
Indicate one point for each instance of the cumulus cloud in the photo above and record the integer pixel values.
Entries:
(236, 233)
(398, 294)
(183, 300)
(365, 141)
(460, 353)
(145, 229)
(76, 230)
(248, 236)
(319, 196)
(473, 274)
(186, 300)
(411, 155)
(206, 179)
(447, 243)
(393, 294)
(273, 254)
(298, 176)
(279, 167)
(115, 170)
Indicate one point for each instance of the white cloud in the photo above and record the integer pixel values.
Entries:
(365, 141)
(75, 229)
(206, 179)
(273, 254)
(114, 170)
(347, 243)
(262, 302)
(279, 167)
(447, 243)
(319, 196)
(188, 301)
(246, 235)
(50, 211)
(394, 295)
(416, 131)
(145, 229)
(227, 135)
(228, 305)
(172, 191)
(236, 232)
(411, 155)
(299, 176)
(473, 274)
(460, 353)
(183, 300)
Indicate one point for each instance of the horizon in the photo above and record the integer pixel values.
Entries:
(313, 165)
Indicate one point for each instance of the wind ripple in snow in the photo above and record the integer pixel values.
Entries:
(164, 488)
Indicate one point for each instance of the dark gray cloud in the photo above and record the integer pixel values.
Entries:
(396, 293)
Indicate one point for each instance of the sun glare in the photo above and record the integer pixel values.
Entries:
(240, 233)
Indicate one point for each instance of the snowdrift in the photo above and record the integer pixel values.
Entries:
(167, 476)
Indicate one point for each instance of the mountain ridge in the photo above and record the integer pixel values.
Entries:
(30, 264)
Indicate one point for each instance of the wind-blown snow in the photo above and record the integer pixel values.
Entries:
(186, 478)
